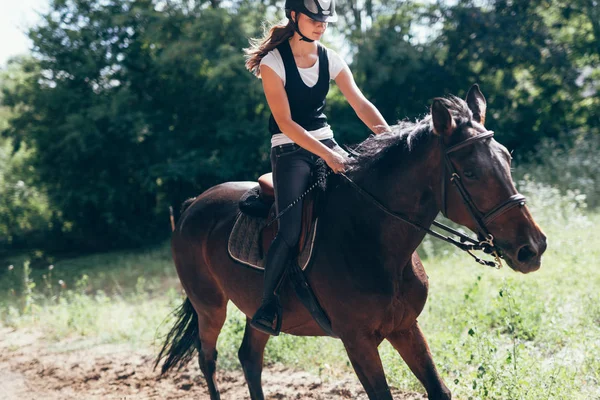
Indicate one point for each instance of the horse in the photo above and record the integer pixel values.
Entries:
(365, 270)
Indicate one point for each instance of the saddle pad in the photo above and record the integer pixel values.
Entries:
(244, 243)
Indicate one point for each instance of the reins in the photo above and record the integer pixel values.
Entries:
(468, 247)
(465, 242)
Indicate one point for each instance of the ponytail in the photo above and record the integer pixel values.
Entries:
(259, 47)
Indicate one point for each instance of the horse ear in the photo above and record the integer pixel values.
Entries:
(477, 104)
(443, 123)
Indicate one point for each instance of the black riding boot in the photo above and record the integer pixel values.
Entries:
(270, 309)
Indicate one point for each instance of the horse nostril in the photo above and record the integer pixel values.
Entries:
(526, 253)
(543, 246)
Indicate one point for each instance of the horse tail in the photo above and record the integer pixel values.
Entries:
(172, 218)
(182, 340)
(186, 204)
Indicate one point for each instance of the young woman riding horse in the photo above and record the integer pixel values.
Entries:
(296, 69)
(365, 269)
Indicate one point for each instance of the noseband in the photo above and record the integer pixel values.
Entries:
(481, 220)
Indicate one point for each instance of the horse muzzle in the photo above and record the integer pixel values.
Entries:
(527, 257)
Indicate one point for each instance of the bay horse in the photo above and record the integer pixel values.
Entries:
(365, 272)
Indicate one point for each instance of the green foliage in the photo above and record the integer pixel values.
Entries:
(532, 57)
(24, 208)
(397, 75)
(111, 298)
(572, 169)
(131, 110)
(535, 61)
(509, 48)
(130, 106)
(24, 211)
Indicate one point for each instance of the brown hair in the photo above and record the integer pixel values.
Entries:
(259, 47)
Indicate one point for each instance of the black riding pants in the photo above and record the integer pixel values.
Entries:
(292, 166)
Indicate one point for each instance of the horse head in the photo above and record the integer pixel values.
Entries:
(477, 190)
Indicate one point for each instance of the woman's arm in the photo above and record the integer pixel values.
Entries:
(365, 110)
(280, 107)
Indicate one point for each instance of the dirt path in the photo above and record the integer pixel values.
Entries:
(33, 369)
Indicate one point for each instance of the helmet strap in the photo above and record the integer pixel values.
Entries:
(302, 37)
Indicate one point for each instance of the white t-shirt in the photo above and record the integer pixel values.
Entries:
(309, 76)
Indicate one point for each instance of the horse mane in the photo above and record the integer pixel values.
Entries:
(406, 137)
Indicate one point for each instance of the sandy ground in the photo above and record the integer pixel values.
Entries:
(31, 368)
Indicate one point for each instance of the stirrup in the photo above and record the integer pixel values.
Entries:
(258, 323)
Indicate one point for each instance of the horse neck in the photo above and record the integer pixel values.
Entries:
(412, 188)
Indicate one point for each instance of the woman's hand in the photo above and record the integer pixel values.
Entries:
(336, 162)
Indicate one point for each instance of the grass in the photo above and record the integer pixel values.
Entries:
(112, 298)
(494, 334)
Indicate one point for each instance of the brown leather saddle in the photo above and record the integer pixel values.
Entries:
(268, 233)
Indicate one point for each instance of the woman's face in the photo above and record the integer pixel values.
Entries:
(309, 27)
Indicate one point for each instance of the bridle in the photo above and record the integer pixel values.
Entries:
(481, 220)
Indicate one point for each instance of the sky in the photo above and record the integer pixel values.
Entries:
(15, 17)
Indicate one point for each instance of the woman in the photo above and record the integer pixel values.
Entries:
(295, 70)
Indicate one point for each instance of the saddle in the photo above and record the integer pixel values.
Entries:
(250, 238)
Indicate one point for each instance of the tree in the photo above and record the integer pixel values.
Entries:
(524, 71)
(130, 106)
(132, 109)
(24, 212)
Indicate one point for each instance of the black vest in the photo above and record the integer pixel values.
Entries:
(306, 103)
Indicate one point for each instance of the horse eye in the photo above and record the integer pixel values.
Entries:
(469, 174)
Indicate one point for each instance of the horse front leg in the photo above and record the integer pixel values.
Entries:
(365, 359)
(413, 349)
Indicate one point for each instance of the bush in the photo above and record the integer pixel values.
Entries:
(24, 211)
(570, 168)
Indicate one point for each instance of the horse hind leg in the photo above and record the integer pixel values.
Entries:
(210, 322)
(209, 304)
(197, 328)
(251, 357)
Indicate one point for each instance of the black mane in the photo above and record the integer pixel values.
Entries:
(405, 137)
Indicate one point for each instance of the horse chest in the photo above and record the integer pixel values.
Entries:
(410, 295)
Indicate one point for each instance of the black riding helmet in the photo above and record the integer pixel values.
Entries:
(319, 10)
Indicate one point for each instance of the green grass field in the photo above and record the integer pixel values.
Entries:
(494, 334)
